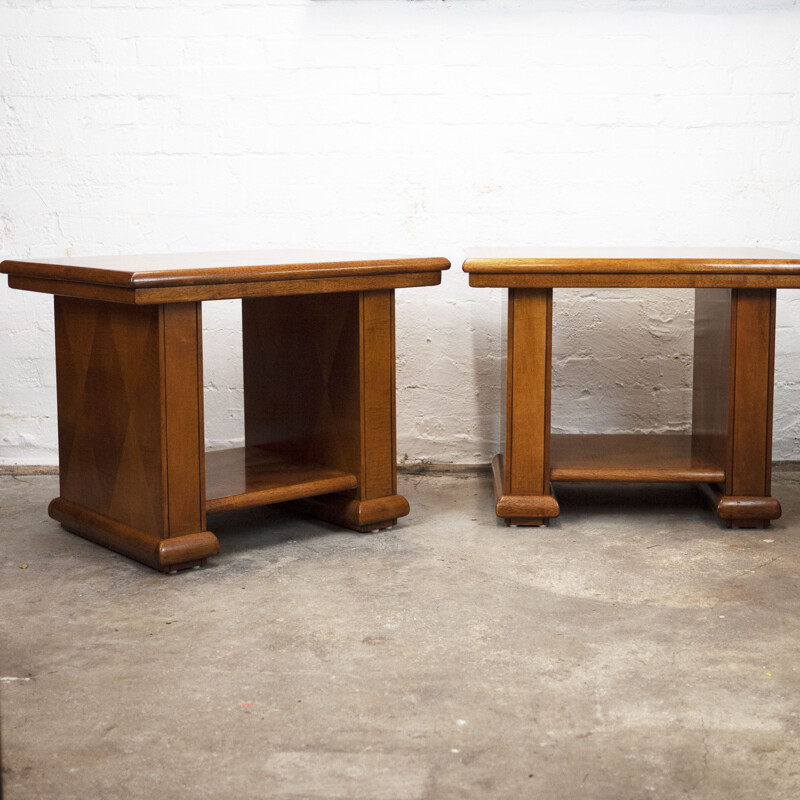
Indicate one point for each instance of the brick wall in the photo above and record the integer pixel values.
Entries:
(408, 126)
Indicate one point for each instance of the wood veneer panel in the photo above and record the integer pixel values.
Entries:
(251, 476)
(181, 326)
(301, 378)
(130, 430)
(110, 416)
(711, 377)
(378, 392)
(319, 388)
(527, 455)
(753, 343)
(650, 458)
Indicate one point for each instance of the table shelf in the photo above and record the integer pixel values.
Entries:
(729, 451)
(318, 376)
(652, 458)
(258, 475)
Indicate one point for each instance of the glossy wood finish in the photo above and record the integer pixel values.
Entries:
(224, 291)
(729, 450)
(752, 365)
(592, 280)
(711, 374)
(732, 399)
(163, 554)
(301, 387)
(741, 511)
(222, 267)
(633, 267)
(131, 430)
(318, 333)
(180, 277)
(649, 458)
(241, 477)
(519, 509)
(526, 465)
(319, 387)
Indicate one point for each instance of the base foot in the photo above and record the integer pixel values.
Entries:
(165, 555)
(364, 516)
(740, 511)
(518, 509)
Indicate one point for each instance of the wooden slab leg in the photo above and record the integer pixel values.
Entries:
(522, 474)
(130, 428)
(319, 387)
(732, 411)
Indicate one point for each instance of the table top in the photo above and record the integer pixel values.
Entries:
(173, 277)
(631, 266)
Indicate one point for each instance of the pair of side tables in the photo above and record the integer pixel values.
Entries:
(319, 395)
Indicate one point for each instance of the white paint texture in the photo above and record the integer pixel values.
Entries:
(422, 127)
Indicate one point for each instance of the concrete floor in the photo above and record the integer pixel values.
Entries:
(634, 649)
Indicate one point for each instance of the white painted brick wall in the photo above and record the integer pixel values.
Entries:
(427, 126)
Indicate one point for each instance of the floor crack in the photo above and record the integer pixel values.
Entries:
(764, 564)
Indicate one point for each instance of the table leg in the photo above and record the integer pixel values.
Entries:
(130, 429)
(319, 387)
(732, 403)
(522, 474)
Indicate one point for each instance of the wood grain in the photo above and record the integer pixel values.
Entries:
(166, 555)
(711, 376)
(638, 260)
(223, 291)
(241, 477)
(365, 516)
(742, 512)
(521, 510)
(318, 330)
(377, 368)
(528, 386)
(130, 424)
(633, 267)
(111, 426)
(182, 393)
(752, 374)
(225, 267)
(729, 451)
(649, 458)
(302, 380)
(319, 388)
(732, 403)
(680, 280)
(522, 482)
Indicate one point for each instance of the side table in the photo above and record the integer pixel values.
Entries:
(319, 397)
(728, 452)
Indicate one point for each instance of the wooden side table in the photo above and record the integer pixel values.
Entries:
(729, 449)
(318, 337)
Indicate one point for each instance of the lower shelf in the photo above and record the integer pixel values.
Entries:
(253, 476)
(653, 458)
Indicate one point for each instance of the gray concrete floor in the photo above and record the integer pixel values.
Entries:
(634, 649)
